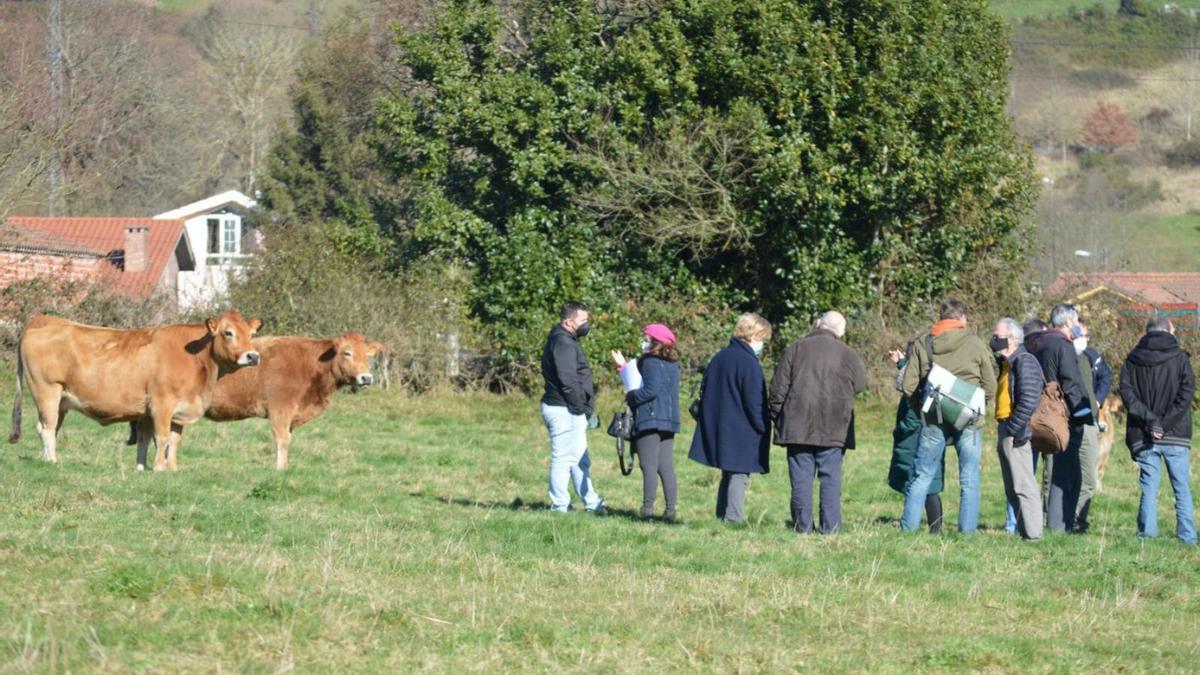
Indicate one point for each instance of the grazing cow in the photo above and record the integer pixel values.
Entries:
(1108, 419)
(294, 383)
(162, 378)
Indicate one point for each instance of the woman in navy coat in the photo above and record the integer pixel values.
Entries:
(733, 432)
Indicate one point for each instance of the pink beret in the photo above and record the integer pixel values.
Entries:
(660, 332)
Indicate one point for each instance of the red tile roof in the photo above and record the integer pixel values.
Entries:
(103, 237)
(1155, 288)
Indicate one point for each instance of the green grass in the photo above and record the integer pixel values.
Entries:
(1166, 244)
(1021, 9)
(411, 534)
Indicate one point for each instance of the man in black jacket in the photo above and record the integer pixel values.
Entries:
(1157, 385)
(1016, 400)
(567, 404)
(1055, 351)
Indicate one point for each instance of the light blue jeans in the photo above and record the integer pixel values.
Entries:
(930, 451)
(1149, 475)
(569, 461)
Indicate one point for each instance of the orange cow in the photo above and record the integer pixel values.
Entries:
(163, 377)
(294, 384)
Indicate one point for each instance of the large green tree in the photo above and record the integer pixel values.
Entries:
(788, 156)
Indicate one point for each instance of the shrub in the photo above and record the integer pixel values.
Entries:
(1108, 128)
(1102, 78)
(1184, 155)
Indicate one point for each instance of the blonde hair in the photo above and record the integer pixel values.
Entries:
(751, 327)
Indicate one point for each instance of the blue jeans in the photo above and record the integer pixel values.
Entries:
(569, 461)
(930, 451)
(1010, 515)
(1149, 474)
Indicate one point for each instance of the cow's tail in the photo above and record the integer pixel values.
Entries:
(15, 434)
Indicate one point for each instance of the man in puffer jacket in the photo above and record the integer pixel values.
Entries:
(1017, 398)
(1157, 385)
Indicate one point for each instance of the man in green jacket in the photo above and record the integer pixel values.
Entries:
(958, 350)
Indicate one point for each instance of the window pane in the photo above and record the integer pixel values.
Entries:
(231, 235)
(214, 235)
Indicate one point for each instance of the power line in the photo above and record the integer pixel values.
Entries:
(1103, 45)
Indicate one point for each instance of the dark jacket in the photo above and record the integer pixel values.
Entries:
(655, 405)
(1056, 354)
(1025, 386)
(1157, 384)
(1101, 374)
(812, 392)
(567, 374)
(733, 432)
(906, 435)
(959, 351)
(1089, 389)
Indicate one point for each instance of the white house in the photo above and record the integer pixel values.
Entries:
(221, 243)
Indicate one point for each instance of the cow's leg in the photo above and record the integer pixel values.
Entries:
(143, 429)
(176, 439)
(162, 436)
(281, 429)
(50, 418)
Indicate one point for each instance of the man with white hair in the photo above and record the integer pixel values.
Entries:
(1055, 351)
(812, 405)
(1018, 393)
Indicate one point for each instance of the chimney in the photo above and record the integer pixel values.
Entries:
(135, 248)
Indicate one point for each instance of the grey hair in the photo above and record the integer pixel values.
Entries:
(1014, 328)
(1062, 315)
(833, 322)
(1158, 324)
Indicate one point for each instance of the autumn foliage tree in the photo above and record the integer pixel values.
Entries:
(1108, 128)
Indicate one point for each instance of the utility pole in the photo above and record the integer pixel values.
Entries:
(54, 54)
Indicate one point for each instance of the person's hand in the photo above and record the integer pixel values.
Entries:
(618, 358)
(1157, 435)
(593, 421)
(895, 355)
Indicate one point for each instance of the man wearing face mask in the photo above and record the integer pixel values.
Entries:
(1017, 396)
(953, 346)
(1089, 443)
(568, 402)
(1055, 351)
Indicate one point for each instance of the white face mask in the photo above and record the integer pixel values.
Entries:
(757, 347)
(1080, 344)
(645, 345)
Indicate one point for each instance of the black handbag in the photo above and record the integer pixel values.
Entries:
(621, 428)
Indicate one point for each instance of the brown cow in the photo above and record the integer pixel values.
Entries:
(294, 384)
(161, 377)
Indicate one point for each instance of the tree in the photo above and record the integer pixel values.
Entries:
(1108, 128)
(783, 156)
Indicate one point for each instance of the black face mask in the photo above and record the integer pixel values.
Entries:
(582, 330)
(998, 344)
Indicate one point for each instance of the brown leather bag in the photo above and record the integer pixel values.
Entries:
(1048, 427)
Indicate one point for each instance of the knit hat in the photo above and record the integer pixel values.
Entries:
(660, 332)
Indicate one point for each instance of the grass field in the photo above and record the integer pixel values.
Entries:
(412, 534)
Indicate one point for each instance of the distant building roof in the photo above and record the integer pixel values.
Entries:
(1155, 288)
(208, 205)
(100, 237)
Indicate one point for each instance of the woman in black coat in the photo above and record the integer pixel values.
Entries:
(733, 432)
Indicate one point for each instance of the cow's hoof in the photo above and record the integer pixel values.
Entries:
(141, 467)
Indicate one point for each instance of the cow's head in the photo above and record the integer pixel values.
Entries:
(231, 339)
(352, 360)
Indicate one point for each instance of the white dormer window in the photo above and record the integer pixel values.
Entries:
(224, 236)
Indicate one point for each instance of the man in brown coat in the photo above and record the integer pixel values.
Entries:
(812, 404)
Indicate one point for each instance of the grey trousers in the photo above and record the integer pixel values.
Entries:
(1065, 482)
(803, 462)
(1089, 469)
(1020, 484)
(655, 451)
(731, 497)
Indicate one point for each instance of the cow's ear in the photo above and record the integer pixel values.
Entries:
(211, 325)
(255, 324)
(373, 349)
